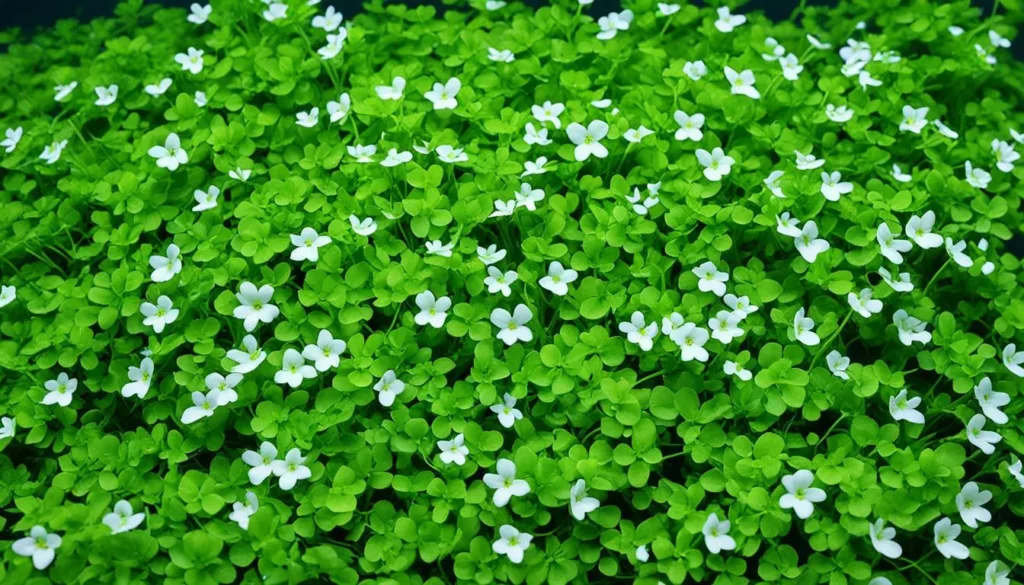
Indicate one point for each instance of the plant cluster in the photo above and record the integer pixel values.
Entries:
(667, 295)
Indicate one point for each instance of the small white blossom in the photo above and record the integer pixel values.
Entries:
(123, 518)
(956, 252)
(63, 91)
(159, 315)
(512, 543)
(971, 503)
(105, 95)
(254, 305)
(558, 279)
(977, 178)
(803, 328)
(882, 539)
(639, 332)
(903, 408)
(716, 534)
(731, 368)
(910, 328)
(191, 61)
(945, 540)
(837, 364)
(505, 483)
(393, 91)
(727, 22)
(891, 247)
(388, 388)
(171, 155)
(689, 126)
(695, 70)
(513, 326)
(454, 451)
(166, 267)
(507, 412)
(294, 369)
(839, 114)
(443, 96)
(809, 244)
(800, 496)
(580, 504)
(613, 23)
(980, 438)
(833, 186)
(716, 163)
(742, 83)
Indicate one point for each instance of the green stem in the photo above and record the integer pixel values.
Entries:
(935, 276)
(825, 345)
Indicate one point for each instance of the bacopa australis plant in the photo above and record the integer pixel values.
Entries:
(673, 295)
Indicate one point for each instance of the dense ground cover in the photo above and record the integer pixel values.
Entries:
(674, 294)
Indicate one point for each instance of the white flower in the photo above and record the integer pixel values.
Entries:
(695, 70)
(247, 360)
(716, 163)
(498, 281)
(800, 496)
(956, 252)
(691, 340)
(866, 80)
(548, 112)
(997, 40)
(689, 126)
(1005, 155)
(613, 23)
(443, 96)
(910, 328)
(945, 130)
(818, 44)
(308, 119)
(62, 91)
(433, 311)
(335, 43)
(436, 248)
(838, 114)
(988, 268)
(166, 267)
(777, 50)
(254, 305)
(641, 554)
(602, 104)
(803, 329)
(204, 405)
(6, 427)
(169, 156)
(200, 99)
(240, 174)
(809, 244)
(388, 388)
(739, 305)
(725, 326)
(1013, 359)
(106, 95)
(512, 326)
(772, 182)
(536, 136)
(159, 88)
(726, 21)
(639, 332)
(535, 167)
(716, 533)
(450, 154)
(326, 353)
(914, 119)
(731, 368)
(558, 279)
(984, 55)
(225, 385)
(363, 227)
(339, 109)
(742, 83)
(393, 91)
(291, 470)
(997, 574)
(807, 162)
(395, 158)
(240, 513)
(898, 174)
(507, 412)
(641, 207)
(294, 369)
(39, 545)
(977, 178)
(671, 324)
(863, 304)
(636, 135)
(512, 543)
(1015, 471)
(971, 501)
(903, 408)
(328, 21)
(837, 364)
(710, 279)
(890, 247)
(588, 140)
(454, 451)
(990, 402)
(275, 11)
(955, 30)
(833, 186)
(528, 197)
(919, 229)
(580, 504)
(505, 483)
(490, 254)
(791, 67)
(788, 226)
(1018, 137)
(503, 208)
(122, 519)
(882, 539)
(901, 285)
(262, 464)
(140, 379)
(307, 245)
(199, 13)
(52, 152)
(667, 10)
(60, 390)
(159, 315)
(493, 5)
(191, 62)
(981, 438)
(945, 540)
(7, 295)
(502, 56)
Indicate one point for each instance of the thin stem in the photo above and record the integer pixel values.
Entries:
(935, 276)
(825, 345)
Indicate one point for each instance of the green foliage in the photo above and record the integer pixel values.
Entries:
(660, 442)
